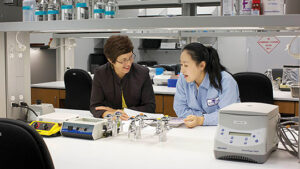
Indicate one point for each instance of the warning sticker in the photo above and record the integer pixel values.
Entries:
(268, 43)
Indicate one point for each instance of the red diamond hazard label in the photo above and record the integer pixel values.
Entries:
(268, 43)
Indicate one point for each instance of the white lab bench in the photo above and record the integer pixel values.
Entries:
(61, 85)
(278, 95)
(164, 97)
(185, 148)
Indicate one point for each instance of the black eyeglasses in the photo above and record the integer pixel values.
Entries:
(124, 61)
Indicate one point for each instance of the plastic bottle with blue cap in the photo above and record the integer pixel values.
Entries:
(67, 10)
(41, 11)
(28, 10)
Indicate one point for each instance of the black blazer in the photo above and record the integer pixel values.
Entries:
(107, 89)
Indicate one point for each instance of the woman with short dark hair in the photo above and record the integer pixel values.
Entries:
(203, 87)
(120, 83)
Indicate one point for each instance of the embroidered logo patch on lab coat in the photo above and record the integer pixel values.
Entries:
(212, 102)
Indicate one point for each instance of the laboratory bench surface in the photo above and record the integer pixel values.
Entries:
(54, 93)
(184, 148)
(61, 85)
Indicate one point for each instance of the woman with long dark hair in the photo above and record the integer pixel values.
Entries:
(203, 87)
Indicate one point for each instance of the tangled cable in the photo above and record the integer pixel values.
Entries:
(287, 132)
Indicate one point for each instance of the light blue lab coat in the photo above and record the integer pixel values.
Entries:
(206, 100)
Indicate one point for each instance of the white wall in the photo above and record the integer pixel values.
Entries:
(82, 50)
(42, 65)
(238, 54)
(40, 38)
(161, 56)
(42, 61)
(241, 54)
(260, 60)
(233, 54)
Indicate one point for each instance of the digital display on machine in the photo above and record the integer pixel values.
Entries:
(240, 134)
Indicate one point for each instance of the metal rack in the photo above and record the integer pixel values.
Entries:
(255, 23)
(131, 4)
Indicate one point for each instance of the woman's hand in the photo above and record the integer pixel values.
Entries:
(193, 121)
(111, 111)
(108, 110)
(124, 116)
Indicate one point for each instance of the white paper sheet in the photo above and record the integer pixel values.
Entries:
(130, 113)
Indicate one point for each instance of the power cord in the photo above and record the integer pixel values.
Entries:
(21, 46)
(287, 132)
(24, 105)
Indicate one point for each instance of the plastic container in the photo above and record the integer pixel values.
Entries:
(111, 9)
(245, 7)
(82, 9)
(256, 7)
(295, 90)
(273, 7)
(67, 10)
(53, 10)
(98, 9)
(268, 73)
(230, 7)
(159, 71)
(41, 10)
(172, 82)
(28, 10)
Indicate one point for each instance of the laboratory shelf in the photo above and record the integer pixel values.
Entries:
(202, 2)
(241, 33)
(131, 4)
(107, 35)
(281, 22)
(134, 4)
(180, 34)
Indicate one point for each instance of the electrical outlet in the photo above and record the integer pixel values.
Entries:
(18, 74)
(11, 52)
(12, 101)
(13, 104)
(21, 97)
(11, 55)
(20, 55)
(12, 98)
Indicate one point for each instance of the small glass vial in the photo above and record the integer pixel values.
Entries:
(98, 9)
(41, 10)
(53, 10)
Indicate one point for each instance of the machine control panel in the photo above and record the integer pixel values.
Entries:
(46, 128)
(240, 138)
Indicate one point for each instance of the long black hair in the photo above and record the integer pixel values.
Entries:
(210, 56)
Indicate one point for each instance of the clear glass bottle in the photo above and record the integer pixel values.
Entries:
(82, 9)
(67, 10)
(111, 9)
(230, 7)
(98, 9)
(53, 10)
(28, 10)
(268, 73)
(41, 10)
